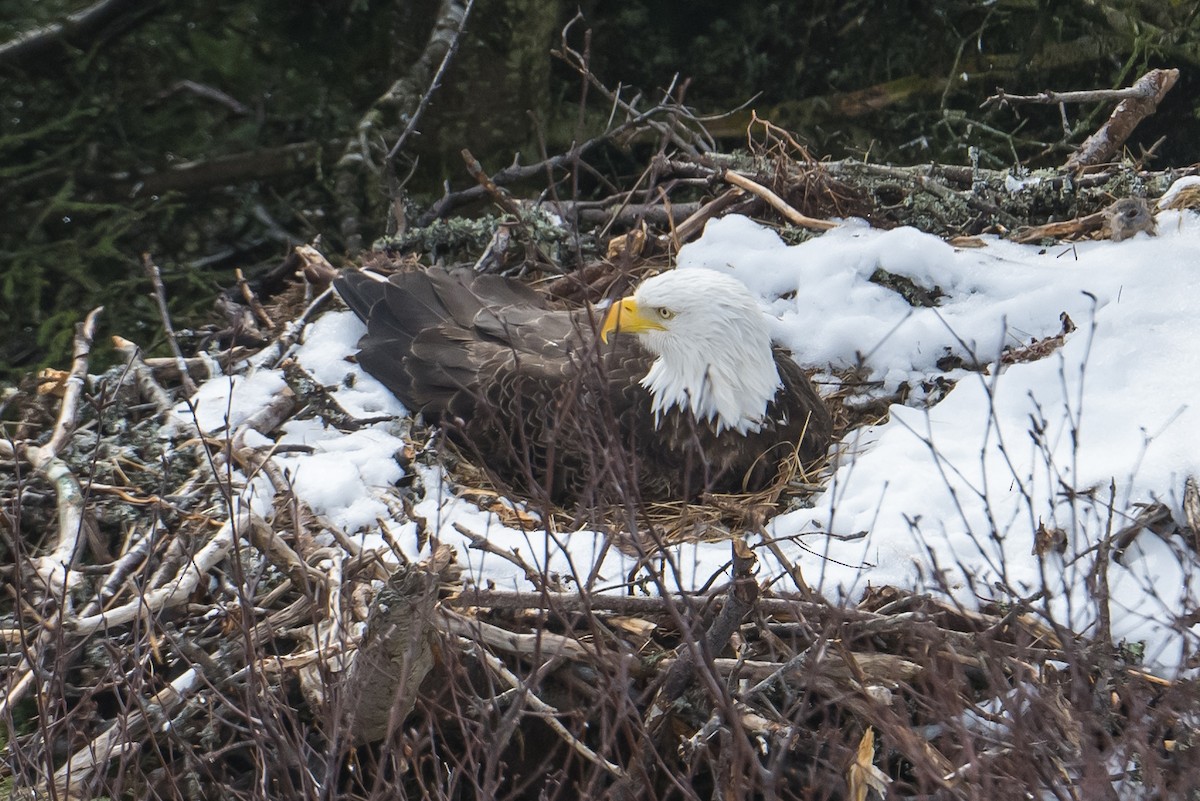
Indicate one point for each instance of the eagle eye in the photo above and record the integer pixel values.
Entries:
(665, 313)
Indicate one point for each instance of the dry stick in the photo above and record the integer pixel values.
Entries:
(252, 300)
(545, 643)
(547, 713)
(123, 735)
(625, 604)
(1138, 90)
(695, 222)
(175, 592)
(778, 203)
(143, 375)
(579, 62)
(160, 297)
(435, 84)
(54, 568)
(45, 460)
(1104, 144)
(743, 593)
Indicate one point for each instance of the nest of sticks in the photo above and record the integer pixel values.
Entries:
(165, 641)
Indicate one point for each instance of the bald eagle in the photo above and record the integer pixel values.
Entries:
(674, 391)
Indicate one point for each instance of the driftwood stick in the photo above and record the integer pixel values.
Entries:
(54, 568)
(175, 592)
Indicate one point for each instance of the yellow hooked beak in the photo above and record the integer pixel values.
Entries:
(625, 317)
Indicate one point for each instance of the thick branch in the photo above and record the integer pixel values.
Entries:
(1105, 143)
(43, 46)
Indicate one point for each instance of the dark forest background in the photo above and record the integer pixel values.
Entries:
(208, 134)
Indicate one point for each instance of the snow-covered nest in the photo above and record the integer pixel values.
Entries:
(945, 498)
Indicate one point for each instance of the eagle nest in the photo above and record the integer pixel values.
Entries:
(170, 637)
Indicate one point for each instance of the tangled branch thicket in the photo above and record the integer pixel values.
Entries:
(167, 638)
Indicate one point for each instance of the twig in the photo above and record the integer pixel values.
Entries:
(548, 714)
(518, 172)
(176, 592)
(125, 734)
(209, 93)
(778, 203)
(143, 375)
(436, 83)
(579, 62)
(534, 576)
(160, 297)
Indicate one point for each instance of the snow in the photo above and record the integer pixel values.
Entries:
(943, 499)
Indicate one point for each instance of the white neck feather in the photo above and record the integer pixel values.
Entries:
(719, 365)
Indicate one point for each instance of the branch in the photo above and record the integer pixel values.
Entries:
(436, 83)
(80, 31)
(1104, 144)
(743, 595)
(54, 568)
(547, 713)
(358, 159)
(160, 298)
(778, 203)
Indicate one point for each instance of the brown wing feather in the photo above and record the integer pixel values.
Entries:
(528, 390)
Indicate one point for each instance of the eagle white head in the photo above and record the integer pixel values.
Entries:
(712, 342)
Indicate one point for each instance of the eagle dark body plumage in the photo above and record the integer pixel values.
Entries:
(533, 394)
